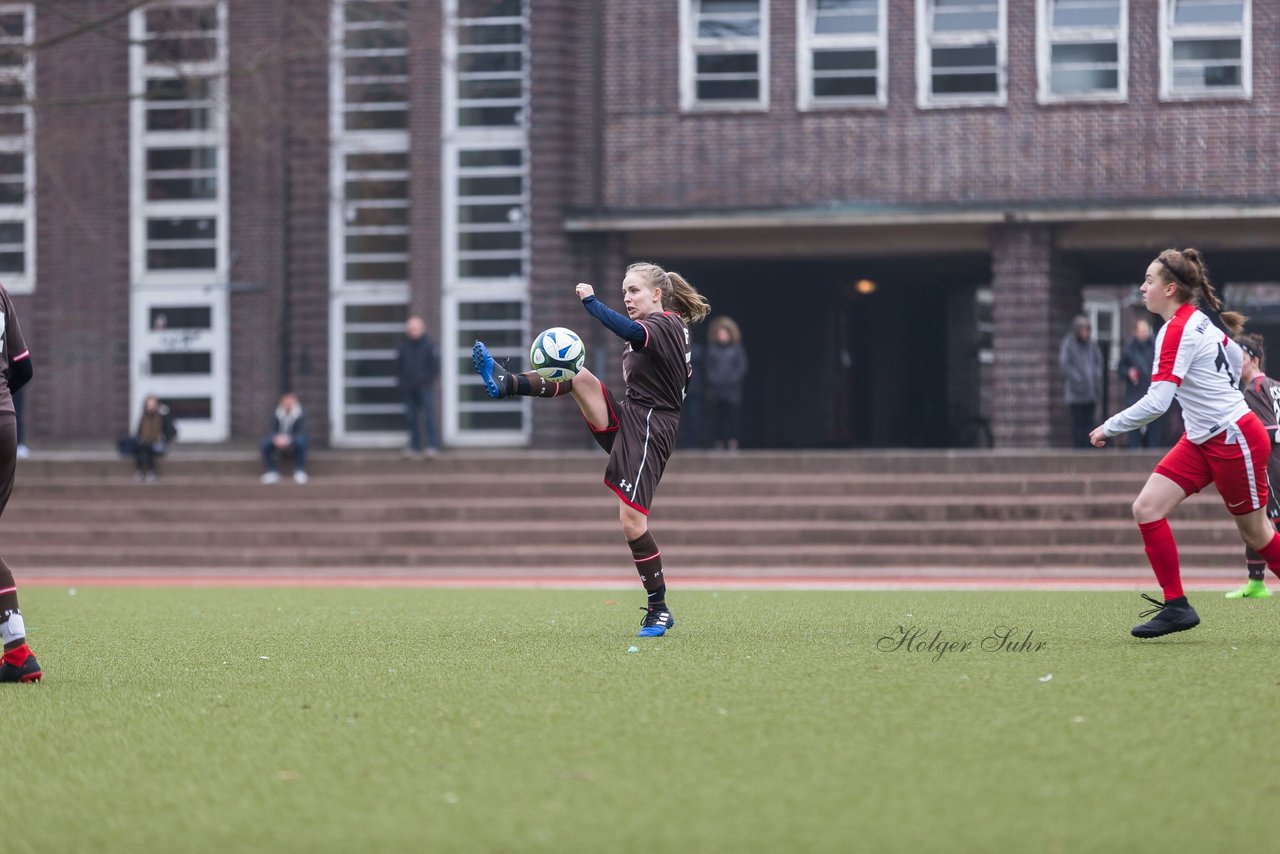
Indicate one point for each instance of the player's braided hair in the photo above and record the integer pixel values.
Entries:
(677, 294)
(1186, 269)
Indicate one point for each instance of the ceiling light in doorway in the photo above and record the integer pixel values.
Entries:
(865, 286)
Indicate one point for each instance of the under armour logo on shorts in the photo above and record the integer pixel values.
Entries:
(626, 485)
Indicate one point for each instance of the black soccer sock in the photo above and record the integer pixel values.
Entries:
(648, 560)
(1256, 565)
(534, 384)
(658, 598)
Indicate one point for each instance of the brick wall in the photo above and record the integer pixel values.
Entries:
(1035, 297)
(258, 136)
(77, 321)
(661, 159)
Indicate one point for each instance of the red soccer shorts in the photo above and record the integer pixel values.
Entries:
(1235, 461)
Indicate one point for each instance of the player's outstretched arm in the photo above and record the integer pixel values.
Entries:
(619, 324)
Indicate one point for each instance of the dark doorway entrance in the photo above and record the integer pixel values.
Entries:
(850, 353)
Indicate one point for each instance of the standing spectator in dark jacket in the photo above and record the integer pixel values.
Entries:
(1081, 361)
(1136, 361)
(418, 368)
(725, 372)
(288, 438)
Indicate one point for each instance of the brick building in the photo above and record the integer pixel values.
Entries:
(903, 202)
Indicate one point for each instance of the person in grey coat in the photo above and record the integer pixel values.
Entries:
(724, 373)
(1081, 361)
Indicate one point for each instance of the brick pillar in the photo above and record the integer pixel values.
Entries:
(1035, 296)
(557, 120)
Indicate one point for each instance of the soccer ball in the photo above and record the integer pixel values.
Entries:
(557, 354)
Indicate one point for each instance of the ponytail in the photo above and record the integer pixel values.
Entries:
(693, 306)
(677, 294)
(1190, 275)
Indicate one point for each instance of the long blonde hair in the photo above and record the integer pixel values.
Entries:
(677, 294)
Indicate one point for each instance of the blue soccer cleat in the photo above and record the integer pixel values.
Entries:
(485, 368)
(655, 623)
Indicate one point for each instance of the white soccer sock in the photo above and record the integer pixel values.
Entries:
(12, 629)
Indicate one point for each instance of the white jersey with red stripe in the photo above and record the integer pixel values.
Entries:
(1197, 363)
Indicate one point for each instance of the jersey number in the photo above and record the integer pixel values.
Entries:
(1222, 364)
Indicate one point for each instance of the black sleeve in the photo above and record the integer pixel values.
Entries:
(300, 425)
(20, 373)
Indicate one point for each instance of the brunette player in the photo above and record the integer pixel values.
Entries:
(18, 664)
(1263, 396)
(1224, 444)
(639, 430)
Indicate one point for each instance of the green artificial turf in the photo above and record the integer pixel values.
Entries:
(477, 720)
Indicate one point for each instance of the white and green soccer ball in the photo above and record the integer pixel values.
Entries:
(557, 354)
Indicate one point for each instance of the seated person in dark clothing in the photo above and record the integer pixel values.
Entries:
(288, 438)
(152, 438)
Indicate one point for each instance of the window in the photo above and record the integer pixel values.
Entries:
(486, 229)
(1205, 48)
(1083, 49)
(960, 52)
(375, 59)
(842, 45)
(182, 131)
(17, 136)
(491, 213)
(724, 61)
(369, 218)
(490, 64)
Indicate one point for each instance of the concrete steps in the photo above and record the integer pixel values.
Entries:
(804, 513)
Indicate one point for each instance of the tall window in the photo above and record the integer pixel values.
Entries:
(724, 54)
(183, 91)
(369, 222)
(960, 52)
(17, 147)
(486, 203)
(841, 53)
(179, 339)
(1083, 49)
(1205, 48)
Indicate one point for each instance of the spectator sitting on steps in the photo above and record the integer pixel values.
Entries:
(288, 438)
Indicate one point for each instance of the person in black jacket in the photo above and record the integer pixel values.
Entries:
(1136, 360)
(725, 371)
(418, 368)
(288, 437)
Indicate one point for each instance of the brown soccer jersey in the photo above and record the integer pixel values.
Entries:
(12, 347)
(657, 372)
(1263, 396)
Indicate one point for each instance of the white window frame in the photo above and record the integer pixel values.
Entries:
(344, 291)
(926, 41)
(691, 48)
(1243, 31)
(456, 290)
(807, 42)
(196, 287)
(1047, 36)
(25, 213)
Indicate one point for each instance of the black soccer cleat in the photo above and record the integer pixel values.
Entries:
(28, 671)
(656, 622)
(1175, 615)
